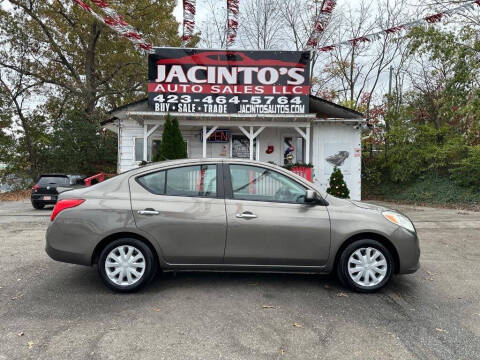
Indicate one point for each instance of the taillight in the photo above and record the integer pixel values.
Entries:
(64, 204)
(35, 187)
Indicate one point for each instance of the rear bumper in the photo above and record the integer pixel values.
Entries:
(59, 248)
(38, 199)
(65, 256)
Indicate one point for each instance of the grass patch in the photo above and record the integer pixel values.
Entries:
(425, 190)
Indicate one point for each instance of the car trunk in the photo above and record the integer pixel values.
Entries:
(47, 186)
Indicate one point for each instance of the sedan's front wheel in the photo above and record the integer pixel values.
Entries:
(125, 265)
(365, 266)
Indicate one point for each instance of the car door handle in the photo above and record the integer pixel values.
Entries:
(148, 212)
(246, 215)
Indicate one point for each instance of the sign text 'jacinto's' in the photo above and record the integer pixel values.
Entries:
(206, 81)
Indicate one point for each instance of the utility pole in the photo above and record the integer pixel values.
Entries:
(390, 81)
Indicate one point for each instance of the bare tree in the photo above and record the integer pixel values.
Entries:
(214, 30)
(261, 24)
(356, 70)
(298, 25)
(470, 18)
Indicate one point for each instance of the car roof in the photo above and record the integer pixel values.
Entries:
(172, 163)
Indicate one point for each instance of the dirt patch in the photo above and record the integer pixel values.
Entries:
(15, 195)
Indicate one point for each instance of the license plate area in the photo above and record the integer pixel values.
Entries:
(47, 198)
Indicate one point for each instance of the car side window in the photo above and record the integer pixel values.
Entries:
(199, 180)
(261, 184)
(155, 182)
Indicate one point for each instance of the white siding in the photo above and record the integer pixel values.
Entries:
(129, 130)
(325, 137)
(342, 136)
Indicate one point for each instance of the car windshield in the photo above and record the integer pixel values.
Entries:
(54, 180)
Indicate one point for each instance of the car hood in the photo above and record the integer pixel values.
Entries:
(367, 206)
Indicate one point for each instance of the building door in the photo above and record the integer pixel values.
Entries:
(268, 221)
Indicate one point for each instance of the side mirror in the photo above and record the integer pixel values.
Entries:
(310, 196)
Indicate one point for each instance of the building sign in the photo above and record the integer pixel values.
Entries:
(218, 136)
(226, 82)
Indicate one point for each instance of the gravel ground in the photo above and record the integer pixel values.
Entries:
(51, 310)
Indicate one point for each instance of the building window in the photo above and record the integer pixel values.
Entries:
(241, 147)
(153, 146)
(293, 150)
(138, 149)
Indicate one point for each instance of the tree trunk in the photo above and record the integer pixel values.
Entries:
(90, 75)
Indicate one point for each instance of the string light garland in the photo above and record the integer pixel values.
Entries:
(189, 10)
(116, 22)
(435, 18)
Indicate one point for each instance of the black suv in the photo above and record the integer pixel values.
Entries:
(44, 192)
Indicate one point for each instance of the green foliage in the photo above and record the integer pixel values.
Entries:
(80, 146)
(450, 94)
(427, 189)
(427, 147)
(23, 148)
(415, 149)
(338, 187)
(88, 65)
(71, 145)
(173, 146)
(466, 172)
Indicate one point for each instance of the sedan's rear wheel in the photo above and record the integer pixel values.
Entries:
(365, 266)
(126, 265)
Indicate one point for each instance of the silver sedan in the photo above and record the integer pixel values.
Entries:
(226, 215)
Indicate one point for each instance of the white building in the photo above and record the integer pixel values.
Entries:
(330, 134)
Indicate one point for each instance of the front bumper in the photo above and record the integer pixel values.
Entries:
(408, 248)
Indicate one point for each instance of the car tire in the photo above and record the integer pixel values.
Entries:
(126, 265)
(365, 266)
(37, 206)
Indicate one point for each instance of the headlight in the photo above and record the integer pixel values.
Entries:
(399, 220)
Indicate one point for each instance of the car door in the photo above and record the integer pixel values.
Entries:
(183, 209)
(269, 222)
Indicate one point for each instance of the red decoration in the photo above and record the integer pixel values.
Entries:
(434, 18)
(83, 5)
(358, 40)
(321, 22)
(270, 149)
(115, 22)
(303, 171)
(312, 42)
(100, 3)
(233, 10)
(395, 29)
(189, 11)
